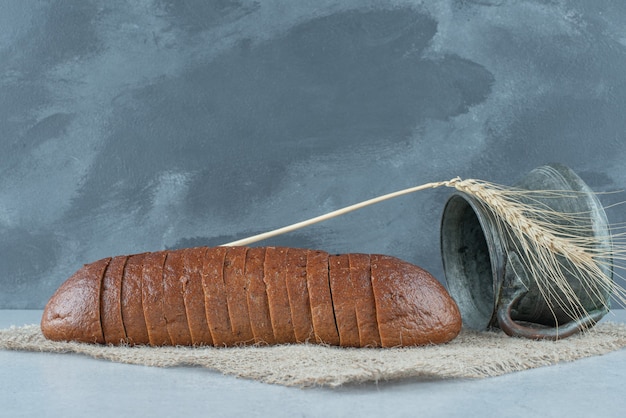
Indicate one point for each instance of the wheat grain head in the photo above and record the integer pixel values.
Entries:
(559, 253)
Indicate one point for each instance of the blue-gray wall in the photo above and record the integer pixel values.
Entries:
(138, 126)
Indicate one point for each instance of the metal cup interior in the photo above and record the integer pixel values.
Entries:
(471, 259)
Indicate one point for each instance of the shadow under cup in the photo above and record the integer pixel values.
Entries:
(485, 272)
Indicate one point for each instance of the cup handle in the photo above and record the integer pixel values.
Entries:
(515, 329)
(513, 289)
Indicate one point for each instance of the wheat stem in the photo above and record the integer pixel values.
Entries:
(333, 214)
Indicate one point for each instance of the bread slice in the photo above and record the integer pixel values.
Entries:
(215, 297)
(277, 296)
(322, 314)
(173, 301)
(364, 302)
(193, 296)
(73, 311)
(343, 300)
(111, 302)
(235, 282)
(299, 294)
(152, 298)
(132, 307)
(256, 294)
(412, 307)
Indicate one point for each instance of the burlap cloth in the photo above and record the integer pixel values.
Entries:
(471, 355)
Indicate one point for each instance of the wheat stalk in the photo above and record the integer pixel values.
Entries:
(552, 244)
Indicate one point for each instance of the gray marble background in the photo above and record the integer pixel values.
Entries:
(137, 126)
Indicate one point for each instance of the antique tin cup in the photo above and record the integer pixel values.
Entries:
(486, 275)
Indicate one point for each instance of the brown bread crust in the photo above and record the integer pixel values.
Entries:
(318, 283)
(235, 282)
(173, 301)
(193, 296)
(111, 302)
(73, 312)
(258, 306)
(152, 298)
(412, 307)
(132, 306)
(298, 294)
(343, 300)
(231, 296)
(277, 296)
(364, 302)
(215, 297)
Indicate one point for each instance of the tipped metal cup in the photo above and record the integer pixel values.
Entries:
(485, 272)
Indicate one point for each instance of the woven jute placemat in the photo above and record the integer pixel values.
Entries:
(471, 355)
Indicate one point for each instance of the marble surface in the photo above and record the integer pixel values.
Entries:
(139, 126)
(44, 384)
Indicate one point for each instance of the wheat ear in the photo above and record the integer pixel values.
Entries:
(552, 246)
(549, 242)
